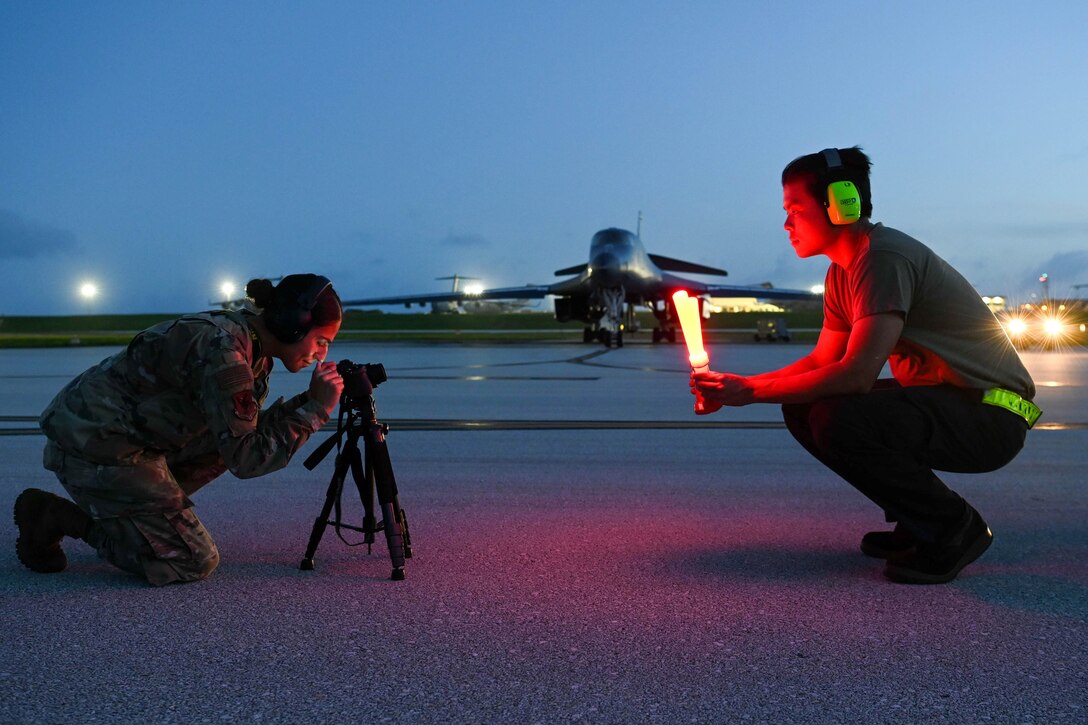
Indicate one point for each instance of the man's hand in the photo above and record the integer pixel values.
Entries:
(326, 385)
(718, 389)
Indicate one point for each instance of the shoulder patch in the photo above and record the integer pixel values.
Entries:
(245, 405)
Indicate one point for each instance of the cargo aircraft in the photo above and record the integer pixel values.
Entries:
(604, 293)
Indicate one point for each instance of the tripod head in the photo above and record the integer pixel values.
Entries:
(360, 379)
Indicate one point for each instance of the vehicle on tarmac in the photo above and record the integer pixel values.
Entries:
(771, 329)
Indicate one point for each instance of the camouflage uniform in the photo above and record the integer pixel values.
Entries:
(133, 437)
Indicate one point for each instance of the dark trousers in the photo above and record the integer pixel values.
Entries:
(887, 443)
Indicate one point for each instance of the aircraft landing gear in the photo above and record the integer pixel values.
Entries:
(610, 337)
(610, 304)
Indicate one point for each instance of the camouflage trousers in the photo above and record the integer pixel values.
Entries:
(143, 518)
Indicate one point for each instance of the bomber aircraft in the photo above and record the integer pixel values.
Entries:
(604, 292)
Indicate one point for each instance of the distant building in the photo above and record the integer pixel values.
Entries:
(996, 303)
(744, 304)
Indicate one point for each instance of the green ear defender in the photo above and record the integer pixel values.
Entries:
(843, 198)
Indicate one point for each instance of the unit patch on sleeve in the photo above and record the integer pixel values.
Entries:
(245, 405)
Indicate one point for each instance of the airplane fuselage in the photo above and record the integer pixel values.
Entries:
(618, 259)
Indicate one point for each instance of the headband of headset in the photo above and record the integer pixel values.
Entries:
(290, 320)
(843, 197)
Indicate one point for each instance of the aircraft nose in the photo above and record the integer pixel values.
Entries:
(606, 266)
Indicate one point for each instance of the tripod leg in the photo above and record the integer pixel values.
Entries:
(332, 496)
(364, 481)
(386, 485)
(404, 529)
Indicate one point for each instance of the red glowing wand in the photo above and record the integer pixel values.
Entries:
(687, 308)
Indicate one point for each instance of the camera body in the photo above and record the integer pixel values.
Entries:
(360, 379)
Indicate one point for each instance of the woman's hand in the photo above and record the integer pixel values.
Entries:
(326, 385)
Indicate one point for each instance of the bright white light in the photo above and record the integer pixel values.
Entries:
(817, 289)
(1017, 326)
(1052, 326)
(473, 289)
(88, 290)
(227, 288)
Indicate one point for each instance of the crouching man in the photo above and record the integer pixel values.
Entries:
(960, 400)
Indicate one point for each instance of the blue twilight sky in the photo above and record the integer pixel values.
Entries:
(158, 148)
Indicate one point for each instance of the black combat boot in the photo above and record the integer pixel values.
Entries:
(43, 520)
(884, 544)
(940, 562)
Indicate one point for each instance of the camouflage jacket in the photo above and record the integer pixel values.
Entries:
(195, 382)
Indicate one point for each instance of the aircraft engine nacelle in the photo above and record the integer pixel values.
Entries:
(571, 308)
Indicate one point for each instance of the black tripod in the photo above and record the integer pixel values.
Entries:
(371, 472)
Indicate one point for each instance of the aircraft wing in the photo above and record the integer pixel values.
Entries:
(669, 264)
(501, 293)
(759, 291)
(762, 292)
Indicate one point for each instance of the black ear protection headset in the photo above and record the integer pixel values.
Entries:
(843, 200)
(290, 321)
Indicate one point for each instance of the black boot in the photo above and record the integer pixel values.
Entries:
(940, 562)
(884, 544)
(43, 520)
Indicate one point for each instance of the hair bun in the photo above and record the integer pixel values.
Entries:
(260, 291)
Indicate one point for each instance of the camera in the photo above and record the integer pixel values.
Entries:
(360, 379)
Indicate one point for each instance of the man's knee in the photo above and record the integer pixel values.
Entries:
(795, 416)
(831, 425)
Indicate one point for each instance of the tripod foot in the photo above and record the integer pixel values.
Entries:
(397, 575)
(307, 565)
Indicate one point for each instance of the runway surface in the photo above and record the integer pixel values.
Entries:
(586, 549)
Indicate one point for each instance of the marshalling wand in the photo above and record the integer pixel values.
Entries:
(687, 308)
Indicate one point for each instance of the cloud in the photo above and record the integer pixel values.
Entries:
(1045, 231)
(1070, 264)
(1073, 156)
(22, 238)
(462, 241)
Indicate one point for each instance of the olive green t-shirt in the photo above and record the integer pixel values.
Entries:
(949, 334)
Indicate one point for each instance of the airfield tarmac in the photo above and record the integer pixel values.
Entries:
(586, 549)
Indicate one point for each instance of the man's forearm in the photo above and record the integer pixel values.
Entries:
(797, 367)
(807, 386)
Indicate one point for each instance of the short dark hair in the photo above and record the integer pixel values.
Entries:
(812, 170)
